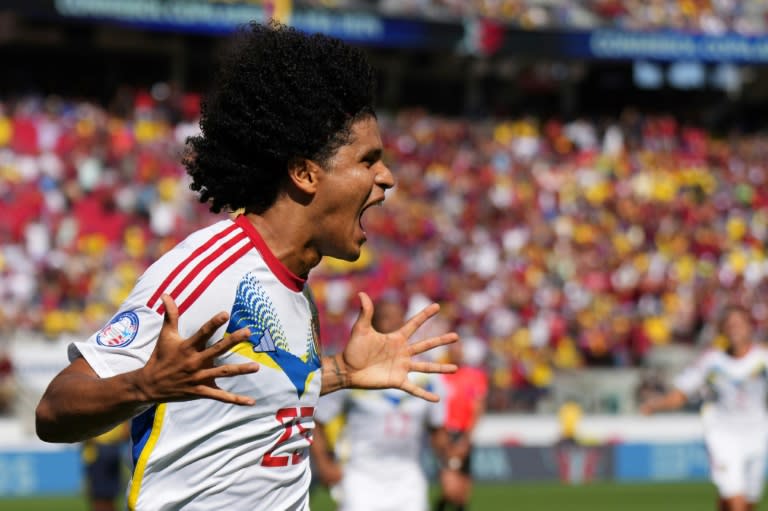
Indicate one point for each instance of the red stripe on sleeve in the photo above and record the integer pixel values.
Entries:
(199, 250)
(199, 267)
(211, 276)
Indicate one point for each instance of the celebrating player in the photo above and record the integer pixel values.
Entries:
(735, 418)
(290, 137)
(380, 444)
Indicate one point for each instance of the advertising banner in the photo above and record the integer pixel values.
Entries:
(214, 17)
(661, 462)
(40, 472)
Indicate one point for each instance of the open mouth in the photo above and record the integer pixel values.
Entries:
(378, 202)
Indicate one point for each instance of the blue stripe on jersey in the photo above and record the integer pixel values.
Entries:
(295, 368)
(254, 310)
(141, 427)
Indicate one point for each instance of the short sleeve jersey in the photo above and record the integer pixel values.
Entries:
(466, 389)
(383, 428)
(736, 386)
(204, 454)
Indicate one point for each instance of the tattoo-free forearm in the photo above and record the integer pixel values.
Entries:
(79, 405)
(672, 400)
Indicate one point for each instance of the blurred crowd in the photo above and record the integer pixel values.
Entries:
(556, 245)
(699, 16)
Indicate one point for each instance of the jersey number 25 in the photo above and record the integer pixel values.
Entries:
(289, 418)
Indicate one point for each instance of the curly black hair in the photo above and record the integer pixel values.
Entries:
(280, 96)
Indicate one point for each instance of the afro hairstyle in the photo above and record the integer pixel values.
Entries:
(280, 96)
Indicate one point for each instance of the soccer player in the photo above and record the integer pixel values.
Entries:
(466, 391)
(735, 419)
(380, 445)
(222, 403)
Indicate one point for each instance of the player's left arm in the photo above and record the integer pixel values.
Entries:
(373, 360)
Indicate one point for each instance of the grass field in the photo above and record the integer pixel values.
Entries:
(517, 497)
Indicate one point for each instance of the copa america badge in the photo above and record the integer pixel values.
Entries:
(120, 331)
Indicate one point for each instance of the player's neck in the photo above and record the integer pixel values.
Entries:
(286, 239)
(741, 350)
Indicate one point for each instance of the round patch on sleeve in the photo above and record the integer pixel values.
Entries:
(120, 331)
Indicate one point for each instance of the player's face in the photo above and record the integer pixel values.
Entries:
(355, 179)
(738, 329)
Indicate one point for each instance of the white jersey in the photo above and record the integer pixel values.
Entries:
(204, 454)
(381, 444)
(737, 386)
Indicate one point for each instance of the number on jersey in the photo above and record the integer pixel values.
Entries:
(290, 418)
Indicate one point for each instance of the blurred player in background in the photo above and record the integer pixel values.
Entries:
(466, 391)
(105, 461)
(290, 137)
(735, 418)
(378, 465)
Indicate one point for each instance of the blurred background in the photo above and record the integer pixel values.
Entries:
(581, 185)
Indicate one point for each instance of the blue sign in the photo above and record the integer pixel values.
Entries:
(56, 472)
(613, 44)
(660, 462)
(208, 17)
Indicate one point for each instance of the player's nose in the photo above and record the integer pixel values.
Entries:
(384, 177)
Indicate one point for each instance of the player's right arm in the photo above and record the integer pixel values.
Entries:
(78, 404)
(690, 380)
(672, 400)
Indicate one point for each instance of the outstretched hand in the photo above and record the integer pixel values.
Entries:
(182, 369)
(375, 360)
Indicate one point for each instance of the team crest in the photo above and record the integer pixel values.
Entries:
(120, 331)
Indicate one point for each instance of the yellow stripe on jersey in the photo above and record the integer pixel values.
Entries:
(141, 463)
(246, 350)
(309, 378)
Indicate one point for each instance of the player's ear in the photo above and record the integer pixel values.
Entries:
(304, 175)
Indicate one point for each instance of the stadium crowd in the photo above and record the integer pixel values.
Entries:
(556, 244)
(699, 16)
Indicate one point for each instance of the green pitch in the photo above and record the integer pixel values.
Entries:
(515, 497)
(590, 497)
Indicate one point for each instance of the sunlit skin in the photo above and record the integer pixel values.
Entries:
(318, 212)
(388, 317)
(321, 215)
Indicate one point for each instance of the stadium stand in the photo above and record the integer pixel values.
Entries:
(560, 244)
(698, 16)
(582, 185)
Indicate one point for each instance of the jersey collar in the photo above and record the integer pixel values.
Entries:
(283, 274)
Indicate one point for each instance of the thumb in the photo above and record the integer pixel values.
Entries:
(366, 311)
